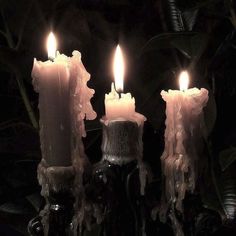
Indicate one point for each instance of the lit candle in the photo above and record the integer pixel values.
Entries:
(184, 131)
(122, 125)
(120, 105)
(59, 81)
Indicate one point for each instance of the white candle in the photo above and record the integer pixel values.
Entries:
(183, 116)
(119, 107)
(123, 106)
(58, 82)
(120, 110)
(184, 131)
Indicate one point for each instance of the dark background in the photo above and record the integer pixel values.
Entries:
(158, 38)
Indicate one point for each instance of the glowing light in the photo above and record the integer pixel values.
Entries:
(51, 46)
(118, 69)
(183, 80)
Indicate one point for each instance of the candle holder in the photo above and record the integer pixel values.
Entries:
(57, 215)
(118, 180)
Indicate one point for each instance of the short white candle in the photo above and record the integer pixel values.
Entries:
(120, 105)
(183, 115)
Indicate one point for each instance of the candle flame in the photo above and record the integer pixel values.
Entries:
(183, 80)
(51, 46)
(118, 69)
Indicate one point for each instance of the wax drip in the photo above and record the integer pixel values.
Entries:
(81, 109)
(142, 168)
(183, 133)
(56, 179)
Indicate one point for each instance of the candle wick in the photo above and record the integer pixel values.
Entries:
(119, 91)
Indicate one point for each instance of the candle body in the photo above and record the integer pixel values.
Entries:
(55, 132)
(58, 84)
(119, 107)
(184, 131)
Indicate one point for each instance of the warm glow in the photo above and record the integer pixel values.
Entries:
(51, 46)
(183, 80)
(118, 69)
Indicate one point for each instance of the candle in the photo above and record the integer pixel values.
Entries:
(122, 125)
(184, 130)
(64, 101)
(118, 105)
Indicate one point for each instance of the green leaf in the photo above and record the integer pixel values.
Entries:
(190, 18)
(36, 200)
(20, 206)
(209, 188)
(190, 44)
(15, 221)
(228, 193)
(218, 190)
(227, 157)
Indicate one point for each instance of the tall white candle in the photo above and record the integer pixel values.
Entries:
(184, 129)
(58, 82)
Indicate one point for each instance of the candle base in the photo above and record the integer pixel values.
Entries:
(116, 180)
(56, 217)
(122, 141)
(118, 201)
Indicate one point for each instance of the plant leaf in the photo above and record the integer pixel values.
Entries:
(218, 191)
(227, 157)
(190, 44)
(20, 206)
(210, 193)
(36, 200)
(228, 194)
(189, 18)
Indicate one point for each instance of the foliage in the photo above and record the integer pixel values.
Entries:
(227, 157)
(155, 54)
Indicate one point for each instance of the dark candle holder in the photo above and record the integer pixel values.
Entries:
(113, 195)
(117, 183)
(55, 219)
